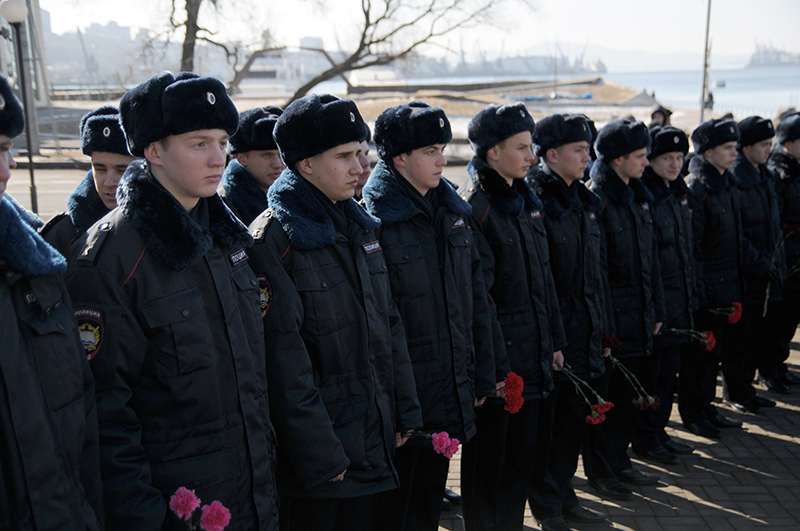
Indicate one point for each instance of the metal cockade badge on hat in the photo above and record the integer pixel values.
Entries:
(769, 125)
(522, 113)
(106, 132)
(2, 102)
(441, 123)
(732, 129)
(211, 98)
(676, 139)
(352, 117)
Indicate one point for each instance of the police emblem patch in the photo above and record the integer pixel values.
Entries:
(265, 293)
(90, 329)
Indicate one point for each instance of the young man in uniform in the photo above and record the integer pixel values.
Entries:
(102, 139)
(764, 286)
(575, 243)
(634, 278)
(785, 162)
(49, 458)
(168, 313)
(498, 465)
(255, 166)
(341, 383)
(437, 284)
(673, 229)
(720, 251)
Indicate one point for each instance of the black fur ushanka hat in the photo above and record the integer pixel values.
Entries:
(789, 128)
(408, 127)
(316, 123)
(754, 129)
(496, 123)
(101, 131)
(620, 137)
(667, 139)
(713, 133)
(167, 105)
(255, 131)
(559, 129)
(12, 117)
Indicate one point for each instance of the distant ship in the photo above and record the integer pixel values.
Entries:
(770, 56)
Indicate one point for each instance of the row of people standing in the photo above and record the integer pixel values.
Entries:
(378, 324)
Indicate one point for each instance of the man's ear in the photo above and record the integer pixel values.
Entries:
(493, 154)
(551, 155)
(305, 167)
(399, 160)
(241, 158)
(154, 153)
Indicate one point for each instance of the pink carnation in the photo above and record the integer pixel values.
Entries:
(184, 502)
(215, 517)
(452, 448)
(441, 442)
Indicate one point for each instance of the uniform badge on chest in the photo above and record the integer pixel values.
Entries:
(371, 247)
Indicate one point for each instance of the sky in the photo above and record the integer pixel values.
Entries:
(668, 27)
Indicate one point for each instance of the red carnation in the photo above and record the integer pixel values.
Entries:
(736, 313)
(215, 517)
(708, 340)
(639, 403)
(452, 448)
(184, 502)
(653, 402)
(441, 442)
(513, 391)
(595, 417)
(603, 408)
(611, 341)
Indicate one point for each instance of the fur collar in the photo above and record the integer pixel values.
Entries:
(302, 216)
(744, 174)
(615, 188)
(166, 227)
(511, 200)
(84, 205)
(21, 247)
(709, 176)
(242, 190)
(785, 165)
(559, 199)
(386, 198)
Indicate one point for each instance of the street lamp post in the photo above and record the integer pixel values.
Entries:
(15, 12)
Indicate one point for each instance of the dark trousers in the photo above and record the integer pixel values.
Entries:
(497, 466)
(783, 317)
(657, 375)
(626, 421)
(741, 353)
(594, 443)
(668, 357)
(346, 514)
(552, 490)
(417, 504)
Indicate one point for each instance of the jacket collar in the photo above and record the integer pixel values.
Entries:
(21, 247)
(386, 198)
(167, 228)
(302, 216)
(745, 175)
(243, 191)
(616, 189)
(84, 204)
(786, 166)
(512, 200)
(559, 199)
(714, 181)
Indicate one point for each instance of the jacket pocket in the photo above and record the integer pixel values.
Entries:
(181, 339)
(204, 473)
(321, 292)
(59, 366)
(348, 416)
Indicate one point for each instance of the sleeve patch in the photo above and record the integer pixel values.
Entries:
(265, 293)
(90, 329)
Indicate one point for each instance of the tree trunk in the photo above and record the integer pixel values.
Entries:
(187, 57)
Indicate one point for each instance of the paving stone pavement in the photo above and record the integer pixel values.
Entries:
(748, 480)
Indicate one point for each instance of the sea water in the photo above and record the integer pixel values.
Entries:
(746, 91)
